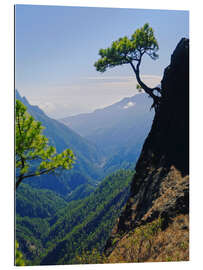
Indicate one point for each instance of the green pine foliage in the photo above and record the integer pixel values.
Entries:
(32, 145)
(19, 260)
(86, 170)
(126, 50)
(129, 51)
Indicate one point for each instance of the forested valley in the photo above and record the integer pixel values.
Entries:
(61, 215)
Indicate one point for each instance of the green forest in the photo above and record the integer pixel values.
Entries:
(50, 230)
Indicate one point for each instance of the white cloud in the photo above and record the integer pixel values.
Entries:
(129, 104)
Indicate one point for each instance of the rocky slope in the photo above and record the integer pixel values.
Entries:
(154, 226)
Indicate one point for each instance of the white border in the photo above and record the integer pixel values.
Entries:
(147, 4)
(7, 120)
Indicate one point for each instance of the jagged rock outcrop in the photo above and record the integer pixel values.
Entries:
(160, 187)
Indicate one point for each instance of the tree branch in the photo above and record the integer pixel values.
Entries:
(147, 89)
(21, 177)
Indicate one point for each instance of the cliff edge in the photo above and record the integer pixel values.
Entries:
(156, 215)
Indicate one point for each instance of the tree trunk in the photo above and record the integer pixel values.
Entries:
(147, 89)
(20, 179)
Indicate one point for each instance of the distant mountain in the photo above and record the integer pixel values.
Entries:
(118, 130)
(87, 169)
(88, 124)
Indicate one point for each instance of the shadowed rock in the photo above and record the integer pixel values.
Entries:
(160, 186)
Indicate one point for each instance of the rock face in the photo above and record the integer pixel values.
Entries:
(160, 186)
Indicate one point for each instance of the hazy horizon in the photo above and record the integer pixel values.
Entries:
(112, 99)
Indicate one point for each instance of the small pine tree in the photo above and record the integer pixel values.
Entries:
(32, 146)
(130, 50)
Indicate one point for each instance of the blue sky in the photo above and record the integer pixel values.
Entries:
(56, 48)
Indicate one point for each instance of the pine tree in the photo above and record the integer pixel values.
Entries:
(130, 50)
(34, 155)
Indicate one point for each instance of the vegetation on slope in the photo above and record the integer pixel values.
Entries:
(53, 231)
(87, 224)
(32, 202)
(152, 243)
(34, 208)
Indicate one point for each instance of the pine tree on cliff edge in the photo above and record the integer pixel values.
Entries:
(129, 51)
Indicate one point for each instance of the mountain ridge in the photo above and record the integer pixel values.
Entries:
(141, 101)
(118, 130)
(88, 157)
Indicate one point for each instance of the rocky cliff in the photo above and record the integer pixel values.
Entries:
(155, 218)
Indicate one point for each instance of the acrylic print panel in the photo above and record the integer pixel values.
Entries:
(92, 102)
